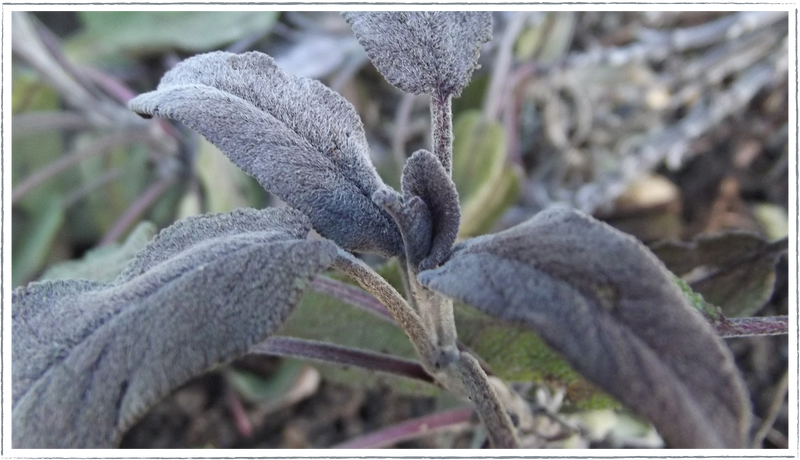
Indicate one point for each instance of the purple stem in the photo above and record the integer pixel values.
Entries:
(135, 210)
(410, 429)
(747, 327)
(351, 295)
(290, 347)
(111, 85)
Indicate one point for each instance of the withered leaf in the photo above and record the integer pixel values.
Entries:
(299, 139)
(89, 358)
(735, 271)
(423, 52)
(601, 299)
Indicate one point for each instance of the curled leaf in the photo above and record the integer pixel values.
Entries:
(299, 139)
(89, 358)
(430, 52)
(427, 214)
(601, 299)
(425, 177)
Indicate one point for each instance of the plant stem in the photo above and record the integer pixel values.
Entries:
(329, 353)
(748, 327)
(491, 410)
(411, 429)
(774, 410)
(135, 210)
(442, 121)
(351, 295)
(27, 124)
(394, 302)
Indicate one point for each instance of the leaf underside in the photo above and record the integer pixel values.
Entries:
(603, 301)
(299, 139)
(89, 358)
(423, 52)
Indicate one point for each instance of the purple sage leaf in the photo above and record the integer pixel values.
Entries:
(607, 304)
(299, 139)
(425, 177)
(88, 359)
(423, 52)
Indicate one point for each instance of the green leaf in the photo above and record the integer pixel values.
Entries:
(518, 354)
(735, 271)
(486, 185)
(104, 263)
(257, 389)
(479, 150)
(33, 249)
(152, 32)
(326, 319)
(500, 192)
(222, 181)
(105, 204)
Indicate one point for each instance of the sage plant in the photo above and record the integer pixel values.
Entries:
(89, 358)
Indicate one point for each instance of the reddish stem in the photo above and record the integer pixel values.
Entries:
(410, 429)
(747, 327)
(329, 353)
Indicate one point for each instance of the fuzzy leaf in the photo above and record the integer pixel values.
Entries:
(735, 271)
(423, 51)
(425, 177)
(89, 358)
(299, 139)
(601, 299)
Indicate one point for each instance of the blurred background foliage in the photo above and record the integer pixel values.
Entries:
(672, 126)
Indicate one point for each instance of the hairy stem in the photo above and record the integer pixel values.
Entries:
(329, 353)
(442, 121)
(411, 429)
(491, 410)
(747, 327)
(394, 302)
(436, 311)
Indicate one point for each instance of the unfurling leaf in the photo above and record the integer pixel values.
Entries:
(601, 299)
(735, 271)
(89, 358)
(423, 52)
(299, 139)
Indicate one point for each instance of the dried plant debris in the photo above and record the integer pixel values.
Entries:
(299, 139)
(89, 358)
(423, 52)
(614, 107)
(610, 307)
(734, 271)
